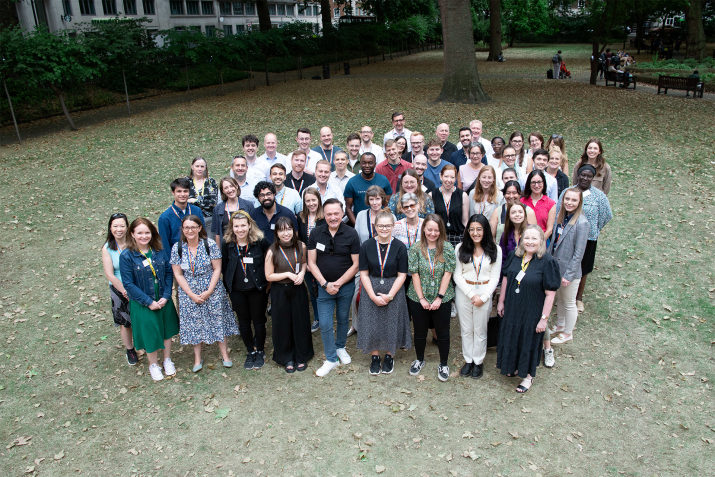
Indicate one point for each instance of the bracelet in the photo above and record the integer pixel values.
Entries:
(440, 296)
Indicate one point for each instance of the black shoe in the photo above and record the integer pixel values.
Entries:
(466, 369)
(375, 366)
(388, 364)
(259, 359)
(477, 371)
(315, 326)
(250, 359)
(132, 357)
(416, 367)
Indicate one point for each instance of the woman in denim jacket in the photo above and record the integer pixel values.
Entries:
(148, 279)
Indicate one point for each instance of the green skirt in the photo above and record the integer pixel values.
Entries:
(150, 328)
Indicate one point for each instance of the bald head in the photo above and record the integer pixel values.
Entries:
(476, 127)
(326, 137)
(443, 132)
(270, 143)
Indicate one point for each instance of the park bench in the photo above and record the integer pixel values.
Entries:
(618, 77)
(682, 84)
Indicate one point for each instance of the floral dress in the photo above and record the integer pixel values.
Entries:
(207, 197)
(212, 320)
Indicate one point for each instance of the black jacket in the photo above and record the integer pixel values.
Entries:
(230, 262)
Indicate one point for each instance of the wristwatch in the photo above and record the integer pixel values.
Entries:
(440, 296)
(390, 297)
(545, 317)
(324, 285)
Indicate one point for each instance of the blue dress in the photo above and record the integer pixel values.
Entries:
(212, 320)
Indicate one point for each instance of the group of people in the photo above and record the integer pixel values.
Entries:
(410, 232)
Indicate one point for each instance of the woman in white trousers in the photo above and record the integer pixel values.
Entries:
(476, 275)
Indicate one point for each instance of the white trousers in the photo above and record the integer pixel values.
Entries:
(557, 70)
(473, 323)
(566, 312)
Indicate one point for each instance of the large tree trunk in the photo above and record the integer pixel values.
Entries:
(604, 25)
(494, 29)
(326, 14)
(264, 16)
(695, 40)
(61, 95)
(460, 81)
(640, 18)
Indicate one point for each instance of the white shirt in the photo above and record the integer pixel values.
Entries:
(290, 198)
(338, 182)
(488, 272)
(393, 135)
(331, 192)
(552, 187)
(311, 159)
(375, 149)
(487, 146)
(254, 174)
(265, 162)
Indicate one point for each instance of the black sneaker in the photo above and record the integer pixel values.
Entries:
(466, 369)
(259, 359)
(388, 364)
(443, 373)
(416, 367)
(477, 371)
(315, 326)
(132, 357)
(375, 366)
(250, 359)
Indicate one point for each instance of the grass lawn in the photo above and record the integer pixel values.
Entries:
(631, 396)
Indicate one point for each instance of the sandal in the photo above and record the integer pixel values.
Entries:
(521, 389)
(290, 367)
(302, 367)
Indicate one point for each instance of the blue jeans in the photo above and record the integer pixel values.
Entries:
(309, 280)
(327, 305)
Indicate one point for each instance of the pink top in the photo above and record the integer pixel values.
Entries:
(541, 209)
(467, 175)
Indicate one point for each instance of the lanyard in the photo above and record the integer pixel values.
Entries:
(295, 251)
(480, 265)
(148, 260)
(200, 193)
(299, 187)
(523, 267)
(370, 226)
(322, 151)
(444, 199)
(284, 195)
(417, 230)
(238, 207)
(176, 213)
(429, 260)
(240, 260)
(383, 260)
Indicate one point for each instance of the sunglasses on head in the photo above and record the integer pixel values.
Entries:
(117, 216)
(556, 136)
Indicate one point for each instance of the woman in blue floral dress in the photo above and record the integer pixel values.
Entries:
(205, 313)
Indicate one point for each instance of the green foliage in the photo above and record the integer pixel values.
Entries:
(689, 64)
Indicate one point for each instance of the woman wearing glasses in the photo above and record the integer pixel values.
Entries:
(468, 172)
(536, 141)
(204, 309)
(524, 164)
(410, 182)
(451, 204)
(203, 191)
(534, 198)
(376, 200)
(383, 317)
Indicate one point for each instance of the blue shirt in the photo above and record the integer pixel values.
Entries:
(432, 172)
(459, 158)
(170, 224)
(267, 226)
(357, 186)
(327, 155)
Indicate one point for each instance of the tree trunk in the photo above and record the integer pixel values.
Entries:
(640, 18)
(695, 39)
(12, 111)
(264, 16)
(460, 81)
(326, 15)
(126, 92)
(61, 95)
(604, 25)
(494, 29)
(268, 82)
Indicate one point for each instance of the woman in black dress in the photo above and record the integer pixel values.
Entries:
(310, 217)
(528, 288)
(451, 204)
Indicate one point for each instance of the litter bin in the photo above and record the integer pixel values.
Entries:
(326, 71)
(346, 67)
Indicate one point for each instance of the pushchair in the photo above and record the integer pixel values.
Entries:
(563, 72)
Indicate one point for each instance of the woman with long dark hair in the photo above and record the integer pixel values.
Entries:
(310, 217)
(203, 191)
(593, 155)
(535, 198)
(477, 276)
(452, 204)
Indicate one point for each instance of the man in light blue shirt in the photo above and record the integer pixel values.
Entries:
(271, 156)
(239, 169)
(435, 163)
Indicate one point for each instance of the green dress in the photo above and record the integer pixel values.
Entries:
(420, 265)
(151, 327)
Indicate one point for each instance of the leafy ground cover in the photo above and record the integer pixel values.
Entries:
(631, 396)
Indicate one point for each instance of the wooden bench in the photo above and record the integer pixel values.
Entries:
(681, 84)
(618, 77)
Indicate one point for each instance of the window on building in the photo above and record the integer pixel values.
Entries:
(130, 7)
(316, 10)
(110, 7)
(240, 28)
(148, 6)
(192, 8)
(66, 7)
(290, 10)
(237, 8)
(225, 8)
(281, 9)
(272, 9)
(86, 7)
(249, 8)
(336, 13)
(177, 7)
(228, 30)
(210, 31)
(316, 26)
(303, 10)
(207, 8)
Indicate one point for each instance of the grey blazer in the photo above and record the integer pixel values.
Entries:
(571, 246)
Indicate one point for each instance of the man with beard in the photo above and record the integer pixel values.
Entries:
(460, 156)
(366, 144)
(285, 196)
(357, 186)
(269, 212)
(303, 138)
(297, 178)
(420, 166)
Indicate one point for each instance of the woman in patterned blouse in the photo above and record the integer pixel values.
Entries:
(203, 191)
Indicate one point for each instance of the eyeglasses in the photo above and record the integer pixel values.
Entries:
(191, 228)
(517, 141)
(331, 247)
(383, 227)
(537, 183)
(266, 195)
(398, 120)
(365, 132)
(409, 207)
(477, 154)
(510, 155)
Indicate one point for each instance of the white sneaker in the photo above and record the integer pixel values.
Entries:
(549, 360)
(169, 368)
(326, 368)
(561, 339)
(155, 371)
(454, 310)
(343, 356)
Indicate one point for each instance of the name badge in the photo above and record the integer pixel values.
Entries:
(145, 263)
(520, 275)
(560, 230)
(320, 247)
(273, 226)
(297, 268)
(247, 259)
(586, 193)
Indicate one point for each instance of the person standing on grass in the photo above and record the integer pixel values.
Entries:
(593, 155)
(358, 185)
(204, 191)
(568, 244)
(448, 148)
(401, 144)
(514, 227)
(417, 144)
(527, 294)
(147, 279)
(269, 212)
(394, 167)
(243, 250)
(205, 313)
(469, 171)
(384, 322)
(310, 217)
(536, 141)
(452, 205)
(365, 220)
(285, 196)
(597, 210)
(495, 159)
(435, 163)
(476, 127)
(556, 61)
(170, 220)
(410, 184)
(460, 157)
(326, 149)
(523, 163)
(476, 276)
(558, 140)
(271, 156)
(419, 164)
(398, 129)
(543, 206)
(553, 169)
(239, 168)
(486, 197)
(431, 263)
(333, 253)
(354, 147)
(310, 157)
(231, 202)
(115, 243)
(285, 269)
(366, 145)
(297, 178)
(341, 175)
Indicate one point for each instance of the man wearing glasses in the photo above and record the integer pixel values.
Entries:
(399, 129)
(333, 259)
(366, 145)
(269, 212)
(417, 144)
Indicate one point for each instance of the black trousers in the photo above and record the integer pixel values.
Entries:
(421, 319)
(290, 314)
(250, 307)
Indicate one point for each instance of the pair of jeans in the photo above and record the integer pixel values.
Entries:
(338, 304)
(250, 307)
(309, 282)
